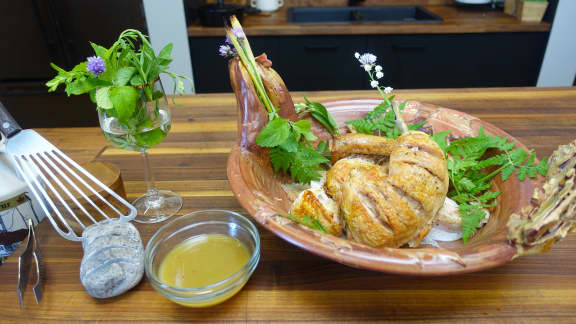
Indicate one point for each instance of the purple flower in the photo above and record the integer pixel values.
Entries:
(227, 50)
(96, 65)
(367, 59)
(224, 50)
(236, 31)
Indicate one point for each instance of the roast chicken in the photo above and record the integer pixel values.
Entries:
(314, 203)
(394, 204)
(383, 192)
(387, 193)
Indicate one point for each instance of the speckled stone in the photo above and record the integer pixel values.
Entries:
(113, 259)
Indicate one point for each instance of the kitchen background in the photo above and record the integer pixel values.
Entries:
(474, 46)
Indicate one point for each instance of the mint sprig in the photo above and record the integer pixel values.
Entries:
(130, 65)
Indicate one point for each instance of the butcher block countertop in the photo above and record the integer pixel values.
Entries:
(290, 284)
(457, 20)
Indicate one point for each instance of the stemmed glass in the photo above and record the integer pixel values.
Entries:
(147, 127)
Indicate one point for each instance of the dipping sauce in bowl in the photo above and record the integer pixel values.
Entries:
(203, 258)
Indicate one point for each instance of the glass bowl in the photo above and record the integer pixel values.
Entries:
(192, 225)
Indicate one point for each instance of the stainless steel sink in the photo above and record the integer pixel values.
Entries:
(361, 15)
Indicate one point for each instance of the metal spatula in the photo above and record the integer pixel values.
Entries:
(60, 184)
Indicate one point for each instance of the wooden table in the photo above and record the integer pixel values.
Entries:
(291, 284)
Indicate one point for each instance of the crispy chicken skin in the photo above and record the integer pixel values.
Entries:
(339, 174)
(316, 204)
(355, 143)
(397, 207)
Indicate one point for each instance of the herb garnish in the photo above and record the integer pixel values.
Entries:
(382, 121)
(290, 144)
(116, 76)
(307, 221)
(320, 113)
(468, 167)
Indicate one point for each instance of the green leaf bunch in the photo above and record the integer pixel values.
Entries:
(472, 164)
(320, 113)
(291, 150)
(381, 121)
(132, 68)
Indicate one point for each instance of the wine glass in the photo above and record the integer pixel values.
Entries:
(147, 127)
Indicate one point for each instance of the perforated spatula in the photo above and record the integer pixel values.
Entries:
(61, 186)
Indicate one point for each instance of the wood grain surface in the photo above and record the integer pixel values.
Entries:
(291, 285)
(457, 20)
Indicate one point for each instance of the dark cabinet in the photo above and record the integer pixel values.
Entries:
(320, 63)
(308, 63)
(466, 60)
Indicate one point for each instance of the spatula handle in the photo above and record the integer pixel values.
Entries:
(8, 125)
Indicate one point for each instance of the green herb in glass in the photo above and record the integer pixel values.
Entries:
(123, 81)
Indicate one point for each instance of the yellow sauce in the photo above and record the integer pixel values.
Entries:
(204, 260)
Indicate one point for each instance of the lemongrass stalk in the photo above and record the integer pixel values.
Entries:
(252, 60)
(236, 24)
(253, 72)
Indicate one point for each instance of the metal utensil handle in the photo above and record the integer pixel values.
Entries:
(8, 125)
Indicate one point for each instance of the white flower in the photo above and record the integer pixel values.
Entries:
(357, 55)
(379, 75)
(378, 68)
(374, 84)
(367, 67)
(367, 58)
(388, 90)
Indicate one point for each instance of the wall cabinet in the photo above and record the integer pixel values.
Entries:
(308, 63)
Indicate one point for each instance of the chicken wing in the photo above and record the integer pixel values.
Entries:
(316, 204)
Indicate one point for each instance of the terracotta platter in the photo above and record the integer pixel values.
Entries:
(259, 191)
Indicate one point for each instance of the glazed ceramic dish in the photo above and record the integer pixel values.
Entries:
(259, 191)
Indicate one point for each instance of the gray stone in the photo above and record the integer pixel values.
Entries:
(113, 259)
